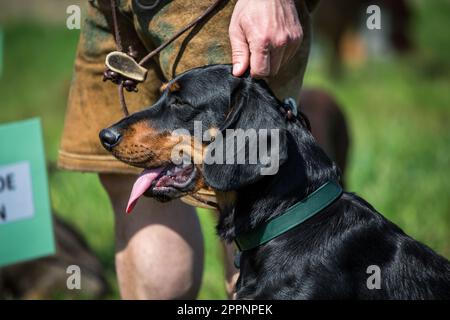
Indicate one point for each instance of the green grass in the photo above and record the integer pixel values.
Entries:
(398, 110)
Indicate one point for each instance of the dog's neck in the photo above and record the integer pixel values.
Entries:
(306, 169)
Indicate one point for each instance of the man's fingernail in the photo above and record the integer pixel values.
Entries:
(236, 67)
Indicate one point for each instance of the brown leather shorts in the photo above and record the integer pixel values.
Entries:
(94, 104)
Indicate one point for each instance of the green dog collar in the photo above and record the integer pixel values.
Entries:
(292, 217)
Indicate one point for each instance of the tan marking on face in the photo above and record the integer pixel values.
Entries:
(199, 183)
(172, 86)
(143, 146)
(212, 132)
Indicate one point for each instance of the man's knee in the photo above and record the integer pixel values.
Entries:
(159, 266)
(159, 248)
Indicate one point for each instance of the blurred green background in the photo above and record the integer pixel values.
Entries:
(397, 108)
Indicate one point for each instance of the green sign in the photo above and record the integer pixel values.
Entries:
(1, 52)
(25, 221)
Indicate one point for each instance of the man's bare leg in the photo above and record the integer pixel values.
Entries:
(159, 247)
(231, 272)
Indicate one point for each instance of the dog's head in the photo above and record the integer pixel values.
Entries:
(201, 132)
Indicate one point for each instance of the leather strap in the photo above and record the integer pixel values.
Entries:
(130, 84)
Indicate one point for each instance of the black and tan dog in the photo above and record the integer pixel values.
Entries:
(325, 257)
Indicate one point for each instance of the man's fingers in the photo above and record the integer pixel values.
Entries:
(264, 35)
(259, 61)
(240, 53)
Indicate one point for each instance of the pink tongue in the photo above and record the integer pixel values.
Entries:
(141, 185)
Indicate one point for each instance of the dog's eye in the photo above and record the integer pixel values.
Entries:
(178, 103)
(183, 110)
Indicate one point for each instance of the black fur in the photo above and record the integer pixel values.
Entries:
(327, 256)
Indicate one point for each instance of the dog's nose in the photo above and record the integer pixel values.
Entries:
(109, 138)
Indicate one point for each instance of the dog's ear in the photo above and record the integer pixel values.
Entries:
(252, 142)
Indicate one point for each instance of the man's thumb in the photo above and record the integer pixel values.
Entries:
(240, 54)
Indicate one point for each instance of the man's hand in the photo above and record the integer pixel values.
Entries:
(264, 34)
